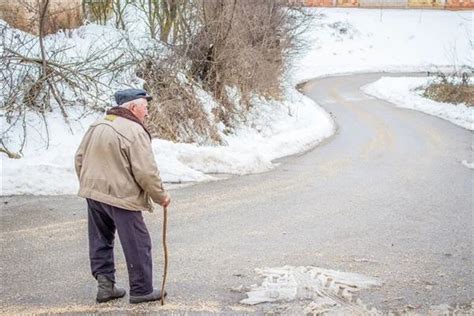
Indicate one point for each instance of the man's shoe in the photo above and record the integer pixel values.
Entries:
(153, 296)
(107, 290)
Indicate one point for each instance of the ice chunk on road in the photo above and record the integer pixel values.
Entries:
(327, 289)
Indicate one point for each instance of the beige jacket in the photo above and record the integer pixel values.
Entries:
(115, 165)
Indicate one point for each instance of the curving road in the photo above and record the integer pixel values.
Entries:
(387, 197)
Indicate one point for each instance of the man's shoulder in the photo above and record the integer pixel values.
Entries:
(122, 126)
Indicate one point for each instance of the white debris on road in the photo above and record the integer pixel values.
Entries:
(325, 290)
(468, 164)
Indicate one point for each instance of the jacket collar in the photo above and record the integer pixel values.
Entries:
(127, 114)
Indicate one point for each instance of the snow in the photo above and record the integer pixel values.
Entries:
(367, 40)
(268, 134)
(341, 41)
(250, 149)
(406, 92)
(45, 171)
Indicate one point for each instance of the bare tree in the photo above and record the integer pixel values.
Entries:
(119, 8)
(215, 45)
(37, 78)
(98, 11)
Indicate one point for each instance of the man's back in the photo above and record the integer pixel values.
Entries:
(115, 164)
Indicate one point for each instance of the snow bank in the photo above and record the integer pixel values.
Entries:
(272, 130)
(406, 92)
(48, 165)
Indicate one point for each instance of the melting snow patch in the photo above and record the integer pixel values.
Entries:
(328, 290)
(468, 164)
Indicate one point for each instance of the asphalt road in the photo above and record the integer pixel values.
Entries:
(387, 197)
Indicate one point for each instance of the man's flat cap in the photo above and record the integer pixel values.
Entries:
(123, 96)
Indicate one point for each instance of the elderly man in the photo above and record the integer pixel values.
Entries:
(119, 178)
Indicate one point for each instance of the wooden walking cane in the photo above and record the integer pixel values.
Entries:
(165, 250)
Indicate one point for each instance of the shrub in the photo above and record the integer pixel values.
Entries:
(455, 88)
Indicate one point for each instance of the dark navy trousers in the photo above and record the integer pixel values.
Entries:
(103, 220)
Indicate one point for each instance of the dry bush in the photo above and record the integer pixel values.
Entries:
(451, 93)
(219, 44)
(175, 114)
(454, 88)
(244, 44)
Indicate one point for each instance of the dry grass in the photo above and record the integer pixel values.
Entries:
(451, 93)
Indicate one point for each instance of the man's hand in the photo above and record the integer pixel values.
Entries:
(166, 201)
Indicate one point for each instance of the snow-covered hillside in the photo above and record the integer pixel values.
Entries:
(369, 40)
(340, 41)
